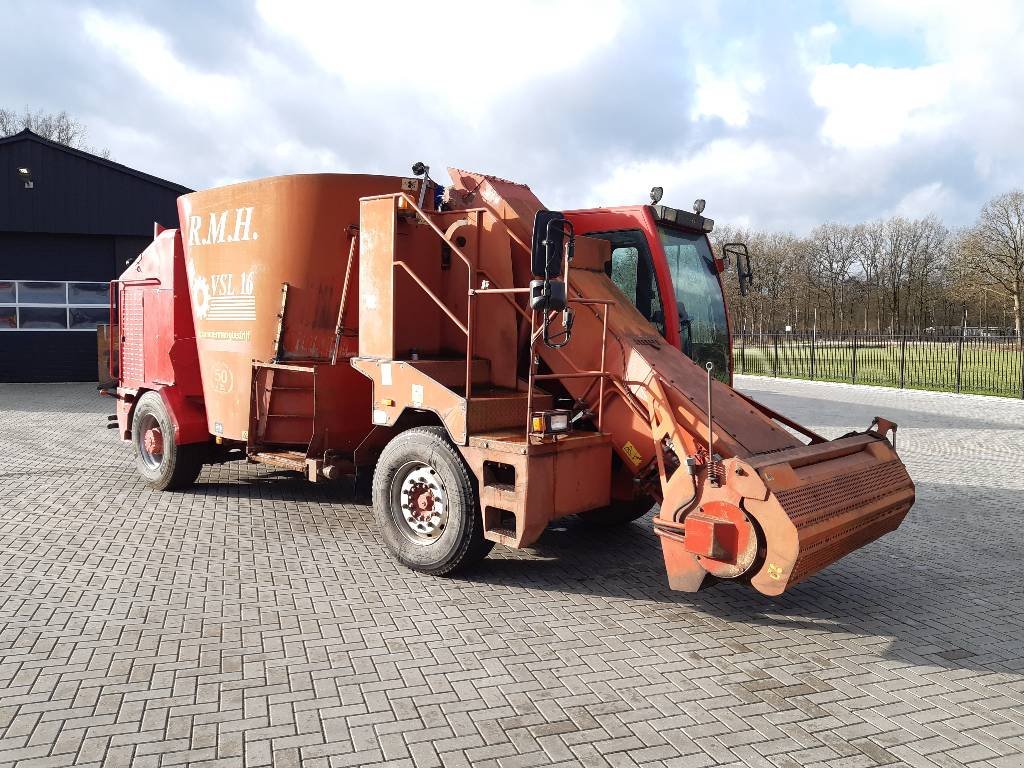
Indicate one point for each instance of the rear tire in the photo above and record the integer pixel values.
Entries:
(618, 513)
(163, 464)
(425, 503)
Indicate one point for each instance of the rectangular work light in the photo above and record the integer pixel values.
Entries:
(551, 422)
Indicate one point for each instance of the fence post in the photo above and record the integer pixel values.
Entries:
(903, 361)
(960, 357)
(1020, 350)
(743, 351)
(853, 361)
(775, 360)
(814, 335)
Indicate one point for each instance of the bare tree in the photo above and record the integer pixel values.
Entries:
(927, 260)
(894, 274)
(771, 293)
(898, 245)
(871, 258)
(833, 252)
(994, 249)
(59, 127)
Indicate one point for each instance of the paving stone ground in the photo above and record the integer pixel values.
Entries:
(256, 620)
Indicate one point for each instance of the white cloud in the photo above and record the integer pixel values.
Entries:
(815, 45)
(749, 108)
(948, 28)
(877, 106)
(742, 182)
(458, 55)
(726, 95)
(934, 198)
(147, 52)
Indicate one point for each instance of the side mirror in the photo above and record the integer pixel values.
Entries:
(548, 295)
(745, 273)
(549, 230)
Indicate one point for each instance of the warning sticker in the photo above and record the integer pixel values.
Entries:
(632, 453)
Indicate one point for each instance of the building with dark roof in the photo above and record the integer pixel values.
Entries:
(70, 222)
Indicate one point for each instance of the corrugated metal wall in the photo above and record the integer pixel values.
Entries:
(84, 219)
(78, 193)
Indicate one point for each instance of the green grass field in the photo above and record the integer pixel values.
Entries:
(987, 366)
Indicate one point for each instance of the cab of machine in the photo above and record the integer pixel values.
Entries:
(662, 259)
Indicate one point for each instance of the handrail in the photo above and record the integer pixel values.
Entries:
(599, 375)
(470, 269)
(446, 236)
(458, 251)
(422, 214)
(507, 294)
(430, 293)
(339, 326)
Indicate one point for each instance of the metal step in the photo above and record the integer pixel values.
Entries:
(293, 460)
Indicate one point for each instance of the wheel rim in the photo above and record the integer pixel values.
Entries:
(419, 503)
(150, 442)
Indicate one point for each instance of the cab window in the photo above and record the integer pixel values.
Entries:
(632, 270)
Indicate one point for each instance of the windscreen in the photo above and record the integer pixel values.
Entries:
(703, 329)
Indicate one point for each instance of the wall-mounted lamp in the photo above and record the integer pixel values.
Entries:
(25, 174)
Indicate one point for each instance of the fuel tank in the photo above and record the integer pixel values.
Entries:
(266, 261)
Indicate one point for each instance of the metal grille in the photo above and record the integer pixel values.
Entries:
(817, 503)
(132, 364)
(846, 540)
(818, 510)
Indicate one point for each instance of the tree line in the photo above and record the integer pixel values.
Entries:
(59, 127)
(894, 275)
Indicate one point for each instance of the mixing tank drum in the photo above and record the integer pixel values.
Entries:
(243, 244)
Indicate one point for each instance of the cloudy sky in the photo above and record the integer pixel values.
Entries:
(781, 114)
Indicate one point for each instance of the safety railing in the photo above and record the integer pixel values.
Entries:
(339, 325)
(479, 276)
(599, 376)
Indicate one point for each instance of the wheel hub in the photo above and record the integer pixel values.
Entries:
(423, 503)
(153, 441)
(150, 442)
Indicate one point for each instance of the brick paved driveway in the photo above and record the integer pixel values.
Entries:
(257, 621)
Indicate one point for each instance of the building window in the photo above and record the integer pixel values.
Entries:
(48, 305)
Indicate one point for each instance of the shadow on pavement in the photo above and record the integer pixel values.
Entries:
(940, 593)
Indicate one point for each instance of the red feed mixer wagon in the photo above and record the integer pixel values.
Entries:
(491, 364)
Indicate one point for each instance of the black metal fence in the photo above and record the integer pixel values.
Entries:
(988, 365)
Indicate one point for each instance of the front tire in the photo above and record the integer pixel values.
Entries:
(425, 503)
(163, 464)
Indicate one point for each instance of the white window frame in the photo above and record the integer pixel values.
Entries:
(66, 305)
